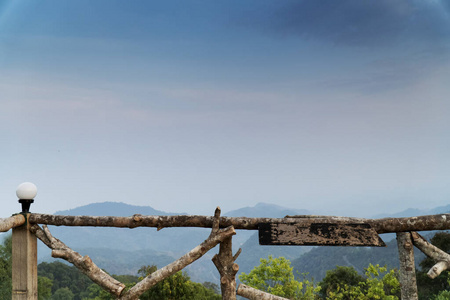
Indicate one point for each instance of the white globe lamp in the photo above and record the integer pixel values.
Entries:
(26, 192)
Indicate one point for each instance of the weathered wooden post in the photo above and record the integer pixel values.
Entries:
(24, 263)
(225, 262)
(24, 250)
(407, 278)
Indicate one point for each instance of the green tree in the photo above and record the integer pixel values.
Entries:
(339, 277)
(385, 287)
(63, 294)
(44, 288)
(6, 268)
(64, 276)
(176, 287)
(276, 276)
(378, 284)
(95, 292)
(443, 295)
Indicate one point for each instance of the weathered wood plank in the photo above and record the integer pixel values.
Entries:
(323, 234)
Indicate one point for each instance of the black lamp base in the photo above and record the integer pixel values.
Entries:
(26, 203)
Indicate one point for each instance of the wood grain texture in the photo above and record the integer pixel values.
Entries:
(319, 234)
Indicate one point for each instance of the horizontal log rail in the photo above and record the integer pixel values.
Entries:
(14, 221)
(384, 225)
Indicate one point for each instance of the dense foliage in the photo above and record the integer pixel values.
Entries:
(339, 277)
(276, 276)
(378, 283)
(63, 278)
(5, 268)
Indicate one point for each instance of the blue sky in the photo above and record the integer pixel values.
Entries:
(337, 107)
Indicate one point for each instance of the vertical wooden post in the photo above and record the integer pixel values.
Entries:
(24, 263)
(407, 278)
(224, 262)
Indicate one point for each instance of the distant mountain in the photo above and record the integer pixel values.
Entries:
(439, 210)
(412, 212)
(113, 209)
(266, 210)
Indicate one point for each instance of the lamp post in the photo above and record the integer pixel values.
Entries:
(24, 246)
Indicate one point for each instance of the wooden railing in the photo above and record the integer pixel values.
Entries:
(27, 229)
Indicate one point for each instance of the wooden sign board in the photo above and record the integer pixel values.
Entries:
(319, 234)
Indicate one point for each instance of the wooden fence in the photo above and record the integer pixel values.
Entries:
(28, 227)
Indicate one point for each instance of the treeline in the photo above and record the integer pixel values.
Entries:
(67, 282)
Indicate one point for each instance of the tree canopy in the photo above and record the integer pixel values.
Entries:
(276, 276)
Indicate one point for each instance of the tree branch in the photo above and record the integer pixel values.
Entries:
(254, 294)
(386, 225)
(84, 264)
(214, 238)
(442, 258)
(11, 222)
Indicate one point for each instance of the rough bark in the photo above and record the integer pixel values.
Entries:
(326, 234)
(407, 276)
(225, 264)
(254, 294)
(442, 258)
(420, 223)
(385, 225)
(84, 264)
(216, 237)
(11, 222)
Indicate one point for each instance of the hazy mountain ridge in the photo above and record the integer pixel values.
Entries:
(119, 209)
(266, 210)
(412, 212)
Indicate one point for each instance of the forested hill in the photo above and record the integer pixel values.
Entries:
(320, 259)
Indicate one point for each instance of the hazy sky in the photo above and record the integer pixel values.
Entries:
(339, 107)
